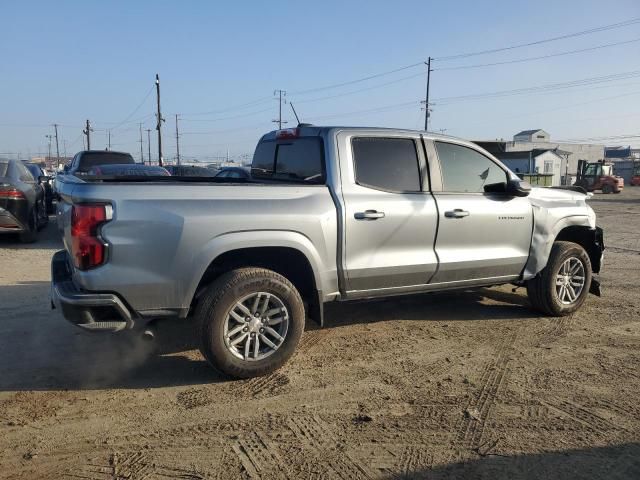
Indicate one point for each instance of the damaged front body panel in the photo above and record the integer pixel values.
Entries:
(562, 215)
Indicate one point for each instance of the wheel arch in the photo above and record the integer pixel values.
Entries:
(576, 228)
(290, 254)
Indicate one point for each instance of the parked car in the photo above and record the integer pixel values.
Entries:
(127, 170)
(234, 172)
(23, 207)
(189, 171)
(330, 214)
(45, 181)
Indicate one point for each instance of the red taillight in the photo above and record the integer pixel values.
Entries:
(87, 249)
(288, 133)
(12, 193)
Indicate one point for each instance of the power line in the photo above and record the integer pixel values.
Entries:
(542, 88)
(603, 28)
(529, 59)
(236, 107)
(134, 111)
(360, 90)
(358, 80)
(220, 119)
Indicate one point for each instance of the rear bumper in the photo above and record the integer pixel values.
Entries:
(9, 223)
(90, 311)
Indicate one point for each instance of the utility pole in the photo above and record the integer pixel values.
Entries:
(281, 93)
(55, 126)
(149, 143)
(426, 102)
(177, 142)
(160, 120)
(141, 145)
(87, 131)
(109, 140)
(49, 137)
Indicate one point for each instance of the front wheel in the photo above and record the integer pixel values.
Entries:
(250, 322)
(562, 286)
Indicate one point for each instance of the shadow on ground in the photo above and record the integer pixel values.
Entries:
(39, 350)
(613, 462)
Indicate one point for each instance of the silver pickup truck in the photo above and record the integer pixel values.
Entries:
(330, 214)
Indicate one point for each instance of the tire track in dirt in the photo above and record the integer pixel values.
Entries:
(135, 465)
(259, 458)
(471, 427)
(314, 435)
(269, 385)
(312, 338)
(584, 416)
(266, 386)
(414, 459)
(560, 327)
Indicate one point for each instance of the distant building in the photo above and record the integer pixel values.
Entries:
(548, 162)
(537, 135)
(527, 141)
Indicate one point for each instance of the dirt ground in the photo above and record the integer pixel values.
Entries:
(464, 385)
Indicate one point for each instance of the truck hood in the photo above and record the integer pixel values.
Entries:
(555, 195)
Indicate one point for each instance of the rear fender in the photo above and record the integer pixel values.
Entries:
(254, 239)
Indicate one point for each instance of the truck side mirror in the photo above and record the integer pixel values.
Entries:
(518, 188)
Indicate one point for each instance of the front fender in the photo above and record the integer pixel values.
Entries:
(545, 230)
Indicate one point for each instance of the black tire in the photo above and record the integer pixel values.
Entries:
(43, 221)
(30, 235)
(216, 304)
(607, 189)
(542, 291)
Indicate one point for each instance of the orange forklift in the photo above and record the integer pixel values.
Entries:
(598, 176)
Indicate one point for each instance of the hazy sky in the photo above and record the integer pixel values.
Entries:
(67, 61)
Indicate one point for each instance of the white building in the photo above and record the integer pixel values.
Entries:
(548, 162)
(528, 141)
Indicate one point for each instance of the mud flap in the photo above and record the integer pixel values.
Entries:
(595, 287)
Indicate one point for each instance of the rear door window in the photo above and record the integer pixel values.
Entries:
(389, 164)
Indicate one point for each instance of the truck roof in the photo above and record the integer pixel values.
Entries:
(307, 130)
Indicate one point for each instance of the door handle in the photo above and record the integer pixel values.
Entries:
(368, 215)
(457, 213)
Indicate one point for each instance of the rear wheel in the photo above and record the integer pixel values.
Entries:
(607, 189)
(562, 286)
(43, 216)
(250, 322)
(30, 234)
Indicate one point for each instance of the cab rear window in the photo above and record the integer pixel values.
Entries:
(3, 169)
(297, 160)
